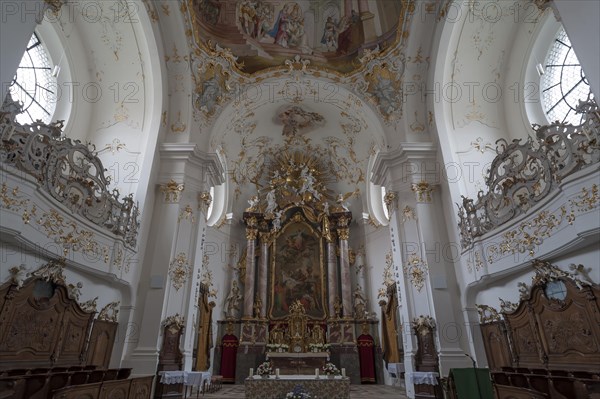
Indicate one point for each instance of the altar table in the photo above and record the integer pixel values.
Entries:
(257, 387)
(298, 363)
(200, 379)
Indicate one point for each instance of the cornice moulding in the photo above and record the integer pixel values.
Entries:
(389, 162)
(191, 156)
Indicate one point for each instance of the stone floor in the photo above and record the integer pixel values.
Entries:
(356, 392)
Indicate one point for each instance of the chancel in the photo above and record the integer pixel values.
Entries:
(282, 198)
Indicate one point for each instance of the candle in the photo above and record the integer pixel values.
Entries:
(317, 373)
(343, 372)
(277, 373)
(251, 371)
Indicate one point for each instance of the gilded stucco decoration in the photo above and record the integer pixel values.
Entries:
(172, 191)
(179, 271)
(187, 214)
(507, 306)
(90, 305)
(52, 272)
(110, 312)
(423, 191)
(423, 324)
(530, 233)
(74, 290)
(408, 213)
(61, 230)
(487, 314)
(69, 171)
(212, 87)
(384, 86)
(390, 199)
(204, 201)
(416, 270)
(523, 174)
(18, 275)
(174, 322)
(296, 120)
(344, 164)
(546, 272)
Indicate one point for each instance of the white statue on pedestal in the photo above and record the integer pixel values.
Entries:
(233, 300)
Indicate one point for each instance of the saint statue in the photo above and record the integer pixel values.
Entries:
(233, 300)
(360, 303)
(317, 335)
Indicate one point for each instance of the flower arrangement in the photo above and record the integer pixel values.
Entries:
(318, 347)
(264, 369)
(278, 347)
(330, 369)
(298, 393)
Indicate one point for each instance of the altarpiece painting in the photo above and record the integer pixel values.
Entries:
(297, 270)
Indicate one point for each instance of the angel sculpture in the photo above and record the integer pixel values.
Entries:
(18, 275)
(342, 204)
(277, 220)
(271, 202)
(253, 202)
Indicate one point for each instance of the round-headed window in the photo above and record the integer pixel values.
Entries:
(34, 84)
(563, 82)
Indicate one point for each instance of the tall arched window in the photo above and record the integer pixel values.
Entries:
(34, 84)
(563, 82)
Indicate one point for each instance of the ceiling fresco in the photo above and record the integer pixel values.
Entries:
(332, 34)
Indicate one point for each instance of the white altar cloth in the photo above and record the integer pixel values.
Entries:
(298, 377)
(200, 379)
(422, 377)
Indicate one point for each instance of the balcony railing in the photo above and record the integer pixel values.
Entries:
(522, 174)
(68, 170)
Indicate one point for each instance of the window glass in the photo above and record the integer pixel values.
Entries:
(34, 84)
(563, 82)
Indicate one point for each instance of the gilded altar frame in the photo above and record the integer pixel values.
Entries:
(295, 250)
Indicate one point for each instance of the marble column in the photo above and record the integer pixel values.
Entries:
(265, 240)
(332, 276)
(346, 281)
(251, 235)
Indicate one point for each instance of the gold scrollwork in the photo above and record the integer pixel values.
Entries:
(179, 270)
(390, 201)
(423, 191)
(172, 191)
(110, 312)
(251, 233)
(487, 314)
(186, 213)
(416, 271)
(344, 233)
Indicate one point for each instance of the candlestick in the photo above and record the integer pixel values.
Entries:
(276, 373)
(343, 372)
(251, 371)
(317, 373)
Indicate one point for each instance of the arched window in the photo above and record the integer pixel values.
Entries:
(34, 84)
(563, 82)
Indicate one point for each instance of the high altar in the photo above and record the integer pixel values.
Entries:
(298, 309)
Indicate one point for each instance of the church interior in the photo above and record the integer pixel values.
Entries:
(297, 198)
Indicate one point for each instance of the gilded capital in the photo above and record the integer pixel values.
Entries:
(172, 191)
(423, 191)
(344, 233)
(251, 233)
